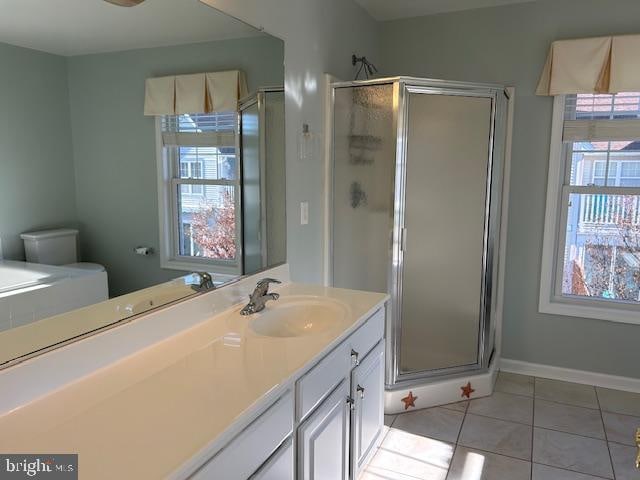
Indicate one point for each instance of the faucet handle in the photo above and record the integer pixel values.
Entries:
(267, 281)
(205, 282)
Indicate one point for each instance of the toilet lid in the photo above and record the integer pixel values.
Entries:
(92, 267)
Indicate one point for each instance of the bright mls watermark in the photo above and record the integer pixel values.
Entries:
(54, 467)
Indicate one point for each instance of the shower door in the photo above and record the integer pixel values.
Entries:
(443, 205)
(417, 183)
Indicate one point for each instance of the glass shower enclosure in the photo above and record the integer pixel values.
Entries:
(417, 183)
(262, 145)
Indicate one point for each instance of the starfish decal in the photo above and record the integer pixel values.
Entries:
(467, 390)
(409, 400)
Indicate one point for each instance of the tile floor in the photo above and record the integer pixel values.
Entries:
(529, 429)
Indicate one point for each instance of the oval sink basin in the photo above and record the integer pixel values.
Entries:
(298, 316)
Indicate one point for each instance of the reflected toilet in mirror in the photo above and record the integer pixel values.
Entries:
(154, 149)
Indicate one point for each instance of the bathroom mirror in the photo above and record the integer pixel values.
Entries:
(137, 146)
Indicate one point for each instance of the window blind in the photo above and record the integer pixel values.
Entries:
(602, 117)
(200, 130)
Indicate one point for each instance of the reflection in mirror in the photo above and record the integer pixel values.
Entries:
(135, 149)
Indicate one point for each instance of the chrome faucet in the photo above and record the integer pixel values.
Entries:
(205, 282)
(260, 296)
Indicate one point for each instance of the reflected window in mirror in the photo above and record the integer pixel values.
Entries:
(202, 224)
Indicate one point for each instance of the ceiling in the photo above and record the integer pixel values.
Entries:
(76, 27)
(394, 9)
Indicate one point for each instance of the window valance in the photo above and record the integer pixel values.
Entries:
(592, 65)
(195, 93)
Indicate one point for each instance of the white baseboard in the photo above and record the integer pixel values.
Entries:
(570, 375)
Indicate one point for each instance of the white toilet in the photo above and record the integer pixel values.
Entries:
(56, 247)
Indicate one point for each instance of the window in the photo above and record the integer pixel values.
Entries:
(200, 192)
(591, 257)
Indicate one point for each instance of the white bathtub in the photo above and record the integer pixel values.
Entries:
(30, 292)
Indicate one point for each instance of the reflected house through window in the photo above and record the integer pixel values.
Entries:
(602, 247)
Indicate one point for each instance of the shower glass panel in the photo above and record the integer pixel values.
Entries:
(251, 187)
(447, 157)
(262, 144)
(364, 165)
(275, 174)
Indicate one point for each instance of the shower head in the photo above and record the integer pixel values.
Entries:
(366, 66)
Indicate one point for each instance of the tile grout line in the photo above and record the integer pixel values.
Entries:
(497, 454)
(606, 438)
(455, 445)
(524, 460)
(568, 470)
(551, 401)
(533, 425)
(543, 428)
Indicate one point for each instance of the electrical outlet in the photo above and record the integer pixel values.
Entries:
(304, 213)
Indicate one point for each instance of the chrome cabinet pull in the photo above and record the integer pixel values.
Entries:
(360, 389)
(354, 357)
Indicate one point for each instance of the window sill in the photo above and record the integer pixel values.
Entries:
(222, 273)
(597, 312)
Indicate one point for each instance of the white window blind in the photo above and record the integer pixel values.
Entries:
(602, 117)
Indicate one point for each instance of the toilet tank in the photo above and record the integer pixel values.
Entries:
(51, 247)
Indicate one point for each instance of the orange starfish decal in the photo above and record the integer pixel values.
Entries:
(467, 390)
(409, 400)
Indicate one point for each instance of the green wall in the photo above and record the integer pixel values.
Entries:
(508, 45)
(114, 145)
(36, 163)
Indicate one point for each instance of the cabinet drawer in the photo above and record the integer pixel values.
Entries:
(332, 369)
(244, 455)
(322, 379)
(367, 336)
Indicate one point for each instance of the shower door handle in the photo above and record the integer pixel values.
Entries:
(403, 239)
(360, 389)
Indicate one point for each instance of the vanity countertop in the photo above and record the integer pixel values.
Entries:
(147, 415)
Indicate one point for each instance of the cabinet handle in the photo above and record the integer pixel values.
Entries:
(360, 389)
(354, 357)
(351, 403)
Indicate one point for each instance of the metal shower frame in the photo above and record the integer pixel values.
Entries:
(402, 87)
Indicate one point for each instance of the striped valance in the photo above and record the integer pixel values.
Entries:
(195, 93)
(592, 65)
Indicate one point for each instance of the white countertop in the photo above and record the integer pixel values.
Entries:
(148, 414)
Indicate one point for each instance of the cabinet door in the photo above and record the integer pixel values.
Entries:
(279, 466)
(323, 439)
(367, 384)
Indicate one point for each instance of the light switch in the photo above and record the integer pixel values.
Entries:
(304, 213)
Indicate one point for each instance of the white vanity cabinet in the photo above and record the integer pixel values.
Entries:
(324, 428)
(340, 425)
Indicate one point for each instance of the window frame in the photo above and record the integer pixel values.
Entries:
(551, 301)
(169, 181)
